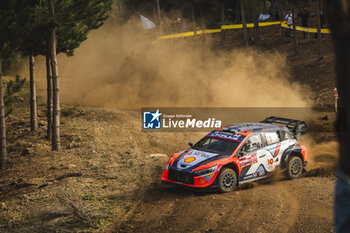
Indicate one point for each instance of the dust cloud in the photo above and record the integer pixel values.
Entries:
(123, 67)
(320, 154)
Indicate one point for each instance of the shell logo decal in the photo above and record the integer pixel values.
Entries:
(190, 159)
(271, 161)
(202, 181)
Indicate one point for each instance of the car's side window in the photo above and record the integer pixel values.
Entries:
(283, 135)
(288, 135)
(253, 143)
(272, 137)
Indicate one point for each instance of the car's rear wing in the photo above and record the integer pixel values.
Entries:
(297, 127)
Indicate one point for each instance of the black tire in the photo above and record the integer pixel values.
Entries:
(227, 180)
(295, 167)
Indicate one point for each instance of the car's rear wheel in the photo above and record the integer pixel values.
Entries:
(295, 167)
(227, 180)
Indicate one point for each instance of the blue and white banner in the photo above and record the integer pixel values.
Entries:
(146, 23)
(263, 17)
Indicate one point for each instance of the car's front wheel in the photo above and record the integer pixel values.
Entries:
(295, 167)
(227, 180)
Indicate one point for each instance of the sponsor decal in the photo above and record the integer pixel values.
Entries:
(203, 154)
(202, 180)
(270, 164)
(190, 159)
(260, 171)
(248, 177)
(193, 157)
(248, 160)
(274, 150)
(226, 136)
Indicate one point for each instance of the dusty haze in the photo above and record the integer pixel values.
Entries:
(120, 67)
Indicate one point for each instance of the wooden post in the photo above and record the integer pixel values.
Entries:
(336, 97)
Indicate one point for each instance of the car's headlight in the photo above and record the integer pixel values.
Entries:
(206, 171)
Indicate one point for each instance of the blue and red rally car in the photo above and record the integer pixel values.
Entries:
(241, 153)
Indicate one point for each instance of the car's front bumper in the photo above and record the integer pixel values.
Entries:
(189, 179)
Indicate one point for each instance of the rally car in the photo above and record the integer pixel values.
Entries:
(236, 154)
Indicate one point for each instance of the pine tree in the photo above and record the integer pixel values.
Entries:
(13, 28)
(12, 87)
(82, 16)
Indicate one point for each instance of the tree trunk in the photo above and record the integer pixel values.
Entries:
(245, 32)
(319, 39)
(194, 22)
(56, 145)
(3, 151)
(273, 13)
(339, 15)
(294, 33)
(202, 22)
(256, 30)
(282, 28)
(237, 10)
(159, 18)
(33, 107)
(222, 21)
(155, 12)
(49, 96)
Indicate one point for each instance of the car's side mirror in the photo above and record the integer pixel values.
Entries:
(190, 144)
(242, 153)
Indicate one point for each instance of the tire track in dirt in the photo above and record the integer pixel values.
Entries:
(272, 207)
(290, 204)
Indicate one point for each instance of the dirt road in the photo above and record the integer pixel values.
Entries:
(105, 179)
(103, 182)
(303, 205)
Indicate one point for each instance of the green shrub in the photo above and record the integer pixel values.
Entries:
(12, 87)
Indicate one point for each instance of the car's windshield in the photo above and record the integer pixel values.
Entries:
(216, 145)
